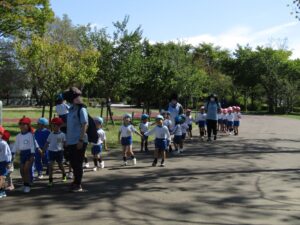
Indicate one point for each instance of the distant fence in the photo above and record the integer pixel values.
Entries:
(19, 101)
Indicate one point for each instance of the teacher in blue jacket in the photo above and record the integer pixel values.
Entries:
(212, 107)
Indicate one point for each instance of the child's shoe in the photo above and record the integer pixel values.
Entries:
(102, 165)
(64, 178)
(40, 176)
(124, 163)
(134, 161)
(26, 189)
(70, 175)
(95, 169)
(10, 188)
(2, 194)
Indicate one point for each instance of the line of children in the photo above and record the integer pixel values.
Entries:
(230, 120)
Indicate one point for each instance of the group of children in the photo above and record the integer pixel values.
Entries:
(41, 148)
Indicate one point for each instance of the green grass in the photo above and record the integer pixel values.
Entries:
(292, 116)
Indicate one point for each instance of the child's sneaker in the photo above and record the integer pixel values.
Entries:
(181, 150)
(124, 163)
(70, 175)
(2, 194)
(40, 176)
(134, 161)
(102, 165)
(26, 189)
(154, 164)
(163, 164)
(87, 165)
(10, 188)
(95, 169)
(64, 179)
(76, 189)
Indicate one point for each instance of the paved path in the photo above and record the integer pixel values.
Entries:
(250, 179)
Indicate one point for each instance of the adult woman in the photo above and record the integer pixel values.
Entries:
(212, 107)
(76, 138)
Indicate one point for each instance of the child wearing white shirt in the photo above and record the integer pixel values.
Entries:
(144, 127)
(97, 147)
(236, 123)
(55, 144)
(162, 135)
(201, 121)
(125, 138)
(230, 120)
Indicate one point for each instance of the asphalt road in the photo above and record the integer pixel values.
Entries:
(250, 179)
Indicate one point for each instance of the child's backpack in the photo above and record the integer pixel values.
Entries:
(92, 129)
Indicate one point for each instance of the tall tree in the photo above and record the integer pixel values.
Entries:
(18, 17)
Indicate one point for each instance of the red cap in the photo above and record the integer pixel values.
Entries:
(25, 120)
(57, 121)
(6, 135)
(2, 130)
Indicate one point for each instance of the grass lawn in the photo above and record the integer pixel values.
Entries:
(293, 116)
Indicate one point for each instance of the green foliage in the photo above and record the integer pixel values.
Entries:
(18, 17)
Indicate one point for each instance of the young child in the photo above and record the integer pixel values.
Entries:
(162, 135)
(26, 145)
(5, 159)
(55, 145)
(224, 125)
(184, 129)
(125, 138)
(177, 132)
(230, 119)
(168, 123)
(201, 121)
(189, 121)
(97, 147)
(41, 134)
(144, 127)
(10, 185)
(236, 122)
(220, 119)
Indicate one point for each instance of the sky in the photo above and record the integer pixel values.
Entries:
(224, 23)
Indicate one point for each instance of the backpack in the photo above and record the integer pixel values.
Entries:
(92, 129)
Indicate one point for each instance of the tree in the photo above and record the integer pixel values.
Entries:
(53, 67)
(18, 17)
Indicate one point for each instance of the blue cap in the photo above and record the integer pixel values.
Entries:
(43, 121)
(168, 112)
(144, 116)
(99, 120)
(178, 119)
(60, 97)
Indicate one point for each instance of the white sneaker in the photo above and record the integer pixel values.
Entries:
(134, 161)
(181, 150)
(40, 176)
(26, 189)
(70, 175)
(95, 169)
(102, 165)
(87, 165)
(124, 163)
(11, 169)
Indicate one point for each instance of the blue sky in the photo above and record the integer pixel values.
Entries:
(222, 22)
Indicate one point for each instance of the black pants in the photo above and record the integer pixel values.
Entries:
(76, 161)
(211, 126)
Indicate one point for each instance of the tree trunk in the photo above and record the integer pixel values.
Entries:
(43, 110)
(50, 110)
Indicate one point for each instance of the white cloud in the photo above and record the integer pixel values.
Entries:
(274, 36)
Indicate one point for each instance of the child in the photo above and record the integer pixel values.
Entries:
(177, 132)
(184, 129)
(230, 119)
(55, 145)
(5, 159)
(168, 123)
(41, 135)
(26, 145)
(220, 119)
(144, 127)
(236, 122)
(189, 121)
(201, 121)
(224, 125)
(97, 147)
(10, 185)
(125, 138)
(162, 135)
